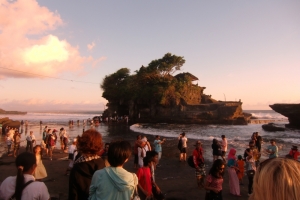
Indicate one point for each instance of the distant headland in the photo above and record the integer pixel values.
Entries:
(3, 112)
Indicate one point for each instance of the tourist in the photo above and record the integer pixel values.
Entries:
(71, 156)
(142, 150)
(277, 178)
(272, 149)
(240, 172)
(17, 141)
(9, 141)
(253, 137)
(51, 141)
(24, 186)
(30, 140)
(87, 162)
(114, 182)
(61, 138)
(214, 181)
(144, 180)
(103, 153)
(135, 151)
(216, 147)
(224, 147)
(157, 146)
(251, 168)
(294, 153)
(199, 164)
(183, 147)
(233, 178)
(40, 171)
(258, 142)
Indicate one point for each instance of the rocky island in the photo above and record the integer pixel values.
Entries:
(155, 95)
(291, 111)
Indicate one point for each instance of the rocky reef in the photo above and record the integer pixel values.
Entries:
(291, 111)
(3, 112)
(10, 123)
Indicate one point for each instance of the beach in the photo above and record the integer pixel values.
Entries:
(176, 179)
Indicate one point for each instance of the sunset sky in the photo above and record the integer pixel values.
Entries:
(54, 54)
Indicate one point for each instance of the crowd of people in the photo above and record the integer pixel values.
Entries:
(96, 170)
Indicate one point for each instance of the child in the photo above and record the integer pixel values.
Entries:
(241, 166)
(144, 177)
(72, 149)
(40, 171)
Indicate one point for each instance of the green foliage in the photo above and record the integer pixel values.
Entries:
(150, 85)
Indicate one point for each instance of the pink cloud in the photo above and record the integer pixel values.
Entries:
(91, 46)
(48, 55)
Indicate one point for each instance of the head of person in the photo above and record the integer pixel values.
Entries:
(118, 153)
(37, 148)
(106, 146)
(215, 141)
(240, 157)
(294, 148)
(31, 132)
(217, 169)
(183, 134)
(146, 161)
(272, 142)
(90, 142)
(74, 141)
(26, 164)
(223, 136)
(157, 137)
(48, 131)
(252, 144)
(277, 178)
(198, 144)
(153, 155)
(138, 137)
(231, 154)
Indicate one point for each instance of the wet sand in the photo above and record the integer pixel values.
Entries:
(176, 179)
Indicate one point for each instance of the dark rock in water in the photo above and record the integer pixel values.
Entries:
(272, 127)
(291, 111)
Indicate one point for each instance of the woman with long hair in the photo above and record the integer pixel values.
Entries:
(214, 181)
(40, 171)
(23, 186)
(234, 184)
(277, 178)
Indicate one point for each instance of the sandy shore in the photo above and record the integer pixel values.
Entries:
(176, 179)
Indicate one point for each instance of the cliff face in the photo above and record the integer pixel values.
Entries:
(12, 112)
(212, 113)
(291, 111)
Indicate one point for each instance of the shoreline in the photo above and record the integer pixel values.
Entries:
(176, 179)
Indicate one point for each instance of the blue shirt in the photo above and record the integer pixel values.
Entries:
(274, 149)
(157, 146)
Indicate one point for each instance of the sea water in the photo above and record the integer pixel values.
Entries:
(238, 136)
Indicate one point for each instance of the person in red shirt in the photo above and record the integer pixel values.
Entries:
(199, 164)
(144, 177)
(294, 153)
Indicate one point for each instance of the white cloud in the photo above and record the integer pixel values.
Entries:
(46, 55)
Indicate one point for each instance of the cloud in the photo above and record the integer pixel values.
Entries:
(91, 46)
(46, 54)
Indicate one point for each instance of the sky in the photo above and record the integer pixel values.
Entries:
(55, 54)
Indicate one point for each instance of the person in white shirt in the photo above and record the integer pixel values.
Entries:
(224, 147)
(183, 147)
(30, 140)
(13, 186)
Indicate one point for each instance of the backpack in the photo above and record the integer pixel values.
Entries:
(190, 161)
(179, 146)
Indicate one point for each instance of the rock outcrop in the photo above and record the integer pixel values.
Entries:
(12, 112)
(10, 123)
(291, 111)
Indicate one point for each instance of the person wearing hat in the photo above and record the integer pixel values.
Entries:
(199, 164)
(294, 153)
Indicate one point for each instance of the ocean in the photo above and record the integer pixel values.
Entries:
(238, 135)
